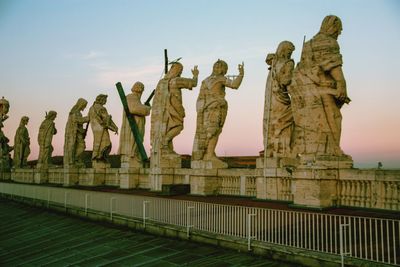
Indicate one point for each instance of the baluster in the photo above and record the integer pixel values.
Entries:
(352, 193)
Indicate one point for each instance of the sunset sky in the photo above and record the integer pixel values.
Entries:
(53, 52)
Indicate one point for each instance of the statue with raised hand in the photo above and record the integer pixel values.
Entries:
(212, 109)
(168, 112)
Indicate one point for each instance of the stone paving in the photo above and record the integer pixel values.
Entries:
(35, 237)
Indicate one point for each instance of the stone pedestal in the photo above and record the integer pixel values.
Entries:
(71, 176)
(41, 175)
(315, 187)
(204, 182)
(92, 177)
(160, 176)
(129, 177)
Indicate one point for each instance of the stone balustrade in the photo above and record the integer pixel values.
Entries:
(313, 187)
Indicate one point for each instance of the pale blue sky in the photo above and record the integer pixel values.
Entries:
(53, 52)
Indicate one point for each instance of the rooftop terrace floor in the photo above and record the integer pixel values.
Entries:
(32, 236)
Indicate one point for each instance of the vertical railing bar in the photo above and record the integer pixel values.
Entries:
(330, 233)
(355, 237)
(111, 207)
(370, 239)
(301, 229)
(365, 239)
(313, 231)
(145, 202)
(388, 241)
(189, 224)
(318, 229)
(278, 219)
(376, 241)
(350, 235)
(65, 200)
(359, 238)
(394, 241)
(382, 245)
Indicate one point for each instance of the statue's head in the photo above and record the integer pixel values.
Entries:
(175, 70)
(4, 106)
(285, 49)
(332, 26)
(138, 87)
(51, 115)
(24, 120)
(81, 103)
(101, 99)
(220, 67)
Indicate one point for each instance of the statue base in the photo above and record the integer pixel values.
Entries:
(92, 177)
(71, 175)
(41, 175)
(129, 177)
(204, 182)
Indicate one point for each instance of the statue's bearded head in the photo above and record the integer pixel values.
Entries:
(332, 26)
(175, 71)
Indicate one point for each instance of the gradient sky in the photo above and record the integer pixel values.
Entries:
(53, 52)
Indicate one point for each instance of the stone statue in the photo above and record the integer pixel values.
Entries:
(46, 131)
(5, 149)
(212, 109)
(168, 112)
(101, 122)
(74, 142)
(278, 118)
(21, 144)
(130, 156)
(318, 91)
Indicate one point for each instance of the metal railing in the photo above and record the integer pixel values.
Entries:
(364, 238)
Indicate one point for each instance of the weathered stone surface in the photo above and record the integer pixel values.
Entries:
(129, 177)
(318, 91)
(278, 117)
(74, 141)
(21, 144)
(101, 122)
(211, 113)
(46, 132)
(167, 122)
(130, 156)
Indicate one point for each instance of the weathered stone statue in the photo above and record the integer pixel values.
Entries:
(168, 112)
(278, 118)
(318, 91)
(212, 109)
(101, 122)
(130, 156)
(21, 144)
(5, 149)
(74, 142)
(46, 131)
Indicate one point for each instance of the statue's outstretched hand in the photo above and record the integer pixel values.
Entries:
(241, 69)
(195, 71)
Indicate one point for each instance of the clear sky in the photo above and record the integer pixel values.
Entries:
(53, 52)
